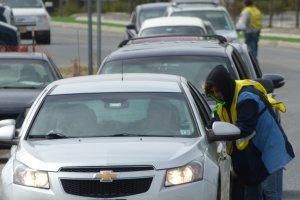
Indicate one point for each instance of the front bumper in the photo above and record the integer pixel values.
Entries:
(203, 190)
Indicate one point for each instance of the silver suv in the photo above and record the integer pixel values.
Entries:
(31, 13)
(210, 11)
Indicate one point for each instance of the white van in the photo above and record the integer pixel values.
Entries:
(29, 15)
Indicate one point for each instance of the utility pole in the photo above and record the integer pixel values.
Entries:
(99, 14)
(271, 13)
(297, 13)
(60, 8)
(90, 38)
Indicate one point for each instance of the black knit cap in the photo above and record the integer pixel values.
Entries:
(221, 78)
(248, 2)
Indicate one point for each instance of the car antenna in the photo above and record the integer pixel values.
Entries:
(122, 70)
(78, 52)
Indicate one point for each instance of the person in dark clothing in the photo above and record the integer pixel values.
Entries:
(263, 150)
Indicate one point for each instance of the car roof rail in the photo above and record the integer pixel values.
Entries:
(123, 43)
(207, 2)
(221, 39)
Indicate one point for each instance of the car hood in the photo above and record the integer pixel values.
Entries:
(17, 98)
(161, 153)
(230, 34)
(28, 11)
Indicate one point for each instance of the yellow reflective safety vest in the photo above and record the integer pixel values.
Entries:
(255, 18)
(224, 116)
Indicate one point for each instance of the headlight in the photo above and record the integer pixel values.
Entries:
(186, 174)
(41, 18)
(30, 177)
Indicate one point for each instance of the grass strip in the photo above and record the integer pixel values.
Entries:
(276, 39)
(283, 39)
(71, 19)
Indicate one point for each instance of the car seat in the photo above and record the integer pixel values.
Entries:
(28, 73)
(76, 120)
(162, 116)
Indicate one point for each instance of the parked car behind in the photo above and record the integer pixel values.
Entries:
(141, 13)
(9, 37)
(22, 77)
(6, 14)
(210, 11)
(29, 14)
(189, 56)
(173, 26)
(121, 136)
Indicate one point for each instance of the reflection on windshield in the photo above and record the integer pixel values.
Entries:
(24, 3)
(173, 30)
(194, 68)
(17, 73)
(114, 115)
(148, 14)
(219, 19)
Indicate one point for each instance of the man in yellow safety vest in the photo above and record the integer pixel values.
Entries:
(250, 22)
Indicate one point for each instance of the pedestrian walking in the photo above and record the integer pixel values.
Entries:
(263, 150)
(250, 23)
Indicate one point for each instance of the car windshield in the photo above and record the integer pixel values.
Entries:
(219, 19)
(24, 73)
(193, 68)
(150, 13)
(114, 115)
(24, 3)
(173, 30)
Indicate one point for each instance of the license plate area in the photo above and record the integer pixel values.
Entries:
(22, 29)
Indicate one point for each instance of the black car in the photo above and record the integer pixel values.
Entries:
(189, 56)
(22, 77)
(9, 37)
(143, 12)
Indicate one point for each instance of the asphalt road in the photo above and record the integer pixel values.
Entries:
(286, 62)
(68, 43)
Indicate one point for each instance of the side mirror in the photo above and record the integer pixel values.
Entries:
(131, 27)
(7, 131)
(48, 4)
(268, 84)
(223, 131)
(277, 79)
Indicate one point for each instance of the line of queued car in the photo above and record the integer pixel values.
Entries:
(140, 129)
(19, 19)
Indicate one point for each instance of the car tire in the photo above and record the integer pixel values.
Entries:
(44, 39)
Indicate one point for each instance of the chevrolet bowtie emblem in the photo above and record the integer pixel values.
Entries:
(106, 176)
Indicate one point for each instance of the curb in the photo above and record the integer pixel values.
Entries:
(267, 43)
(84, 26)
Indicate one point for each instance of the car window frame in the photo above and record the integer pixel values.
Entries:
(239, 64)
(256, 66)
(54, 67)
(201, 103)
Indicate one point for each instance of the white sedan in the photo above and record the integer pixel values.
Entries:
(121, 136)
(173, 26)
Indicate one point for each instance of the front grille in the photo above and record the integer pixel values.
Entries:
(117, 188)
(111, 168)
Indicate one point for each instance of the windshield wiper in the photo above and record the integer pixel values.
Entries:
(55, 136)
(50, 135)
(20, 87)
(136, 135)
